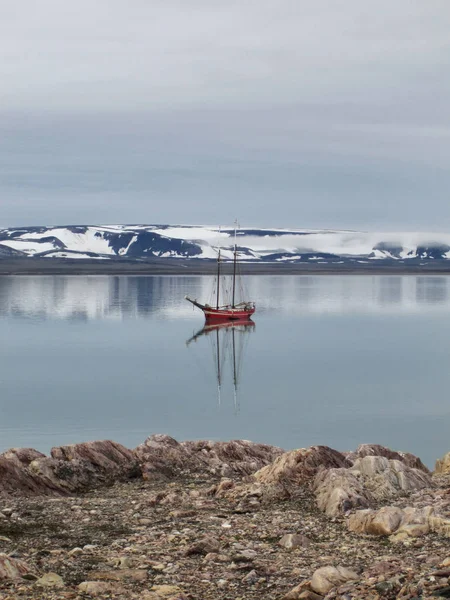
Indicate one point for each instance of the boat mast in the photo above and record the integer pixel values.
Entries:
(234, 266)
(218, 279)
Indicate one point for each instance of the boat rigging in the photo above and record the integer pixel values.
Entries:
(228, 340)
(231, 311)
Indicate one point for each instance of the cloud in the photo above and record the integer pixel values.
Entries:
(307, 113)
(114, 55)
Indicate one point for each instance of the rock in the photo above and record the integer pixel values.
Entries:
(297, 591)
(386, 588)
(339, 490)
(22, 457)
(89, 547)
(281, 479)
(220, 558)
(17, 478)
(384, 478)
(130, 574)
(61, 477)
(382, 567)
(13, 568)
(414, 530)
(97, 588)
(224, 486)
(233, 458)
(159, 567)
(248, 554)
(167, 591)
(439, 525)
(326, 578)
(50, 580)
(125, 562)
(298, 466)
(75, 552)
(204, 546)
(111, 461)
(443, 464)
(70, 468)
(376, 450)
(400, 537)
(382, 522)
(371, 479)
(294, 540)
(251, 577)
(163, 457)
(405, 523)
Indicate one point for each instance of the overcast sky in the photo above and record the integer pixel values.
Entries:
(296, 113)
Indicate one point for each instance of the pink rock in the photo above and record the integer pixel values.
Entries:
(22, 456)
(14, 478)
(161, 456)
(70, 469)
(12, 568)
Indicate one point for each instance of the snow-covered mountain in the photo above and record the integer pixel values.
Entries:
(143, 242)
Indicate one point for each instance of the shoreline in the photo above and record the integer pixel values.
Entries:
(54, 266)
(222, 521)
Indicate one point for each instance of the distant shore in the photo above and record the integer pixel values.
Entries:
(55, 266)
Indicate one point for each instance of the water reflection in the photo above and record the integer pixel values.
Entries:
(339, 360)
(390, 290)
(432, 290)
(116, 297)
(228, 341)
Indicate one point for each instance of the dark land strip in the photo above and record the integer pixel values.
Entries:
(167, 266)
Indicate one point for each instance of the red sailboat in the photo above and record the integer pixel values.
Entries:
(233, 311)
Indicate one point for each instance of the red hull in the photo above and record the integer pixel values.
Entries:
(227, 314)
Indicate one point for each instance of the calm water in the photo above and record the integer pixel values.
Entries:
(337, 360)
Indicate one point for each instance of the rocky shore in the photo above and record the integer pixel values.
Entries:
(222, 520)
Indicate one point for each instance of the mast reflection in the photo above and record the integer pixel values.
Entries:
(228, 340)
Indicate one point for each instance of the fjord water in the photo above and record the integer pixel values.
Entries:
(335, 360)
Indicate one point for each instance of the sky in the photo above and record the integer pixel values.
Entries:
(286, 113)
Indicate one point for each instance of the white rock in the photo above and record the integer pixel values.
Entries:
(96, 588)
(50, 580)
(294, 540)
(326, 578)
(443, 464)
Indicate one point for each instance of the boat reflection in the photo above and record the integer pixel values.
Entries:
(228, 340)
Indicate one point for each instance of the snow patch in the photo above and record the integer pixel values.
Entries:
(74, 255)
(28, 246)
(92, 240)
